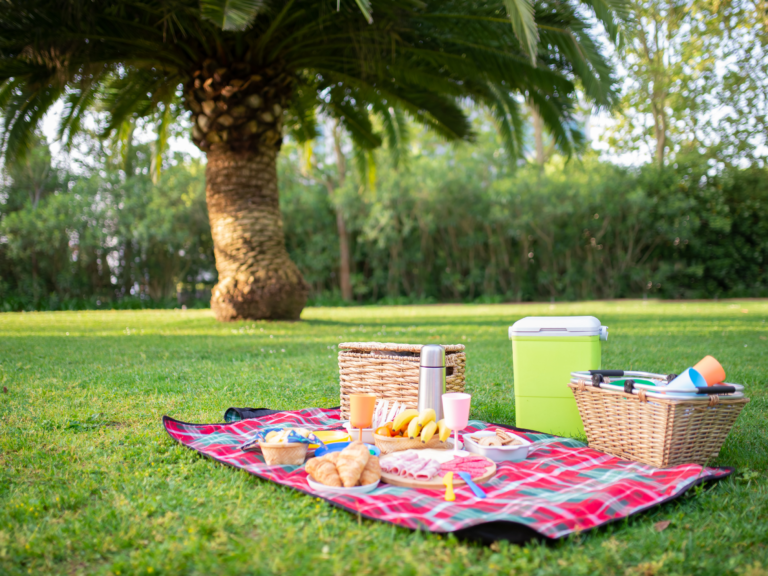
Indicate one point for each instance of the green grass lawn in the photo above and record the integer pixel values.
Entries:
(90, 482)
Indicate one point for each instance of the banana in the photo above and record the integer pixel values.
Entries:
(428, 432)
(404, 418)
(414, 428)
(444, 431)
(426, 416)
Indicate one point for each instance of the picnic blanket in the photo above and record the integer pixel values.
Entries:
(562, 487)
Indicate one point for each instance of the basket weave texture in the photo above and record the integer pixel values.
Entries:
(285, 454)
(659, 432)
(391, 371)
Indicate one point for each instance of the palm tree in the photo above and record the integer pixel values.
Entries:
(250, 70)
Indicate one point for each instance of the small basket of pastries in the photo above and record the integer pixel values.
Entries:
(398, 428)
(283, 446)
(498, 445)
(351, 470)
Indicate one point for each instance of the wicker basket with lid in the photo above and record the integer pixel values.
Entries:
(657, 431)
(391, 371)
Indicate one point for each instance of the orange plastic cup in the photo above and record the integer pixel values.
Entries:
(361, 408)
(711, 370)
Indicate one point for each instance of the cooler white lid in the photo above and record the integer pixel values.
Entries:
(558, 326)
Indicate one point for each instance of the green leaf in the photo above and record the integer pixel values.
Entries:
(231, 14)
(520, 12)
(365, 8)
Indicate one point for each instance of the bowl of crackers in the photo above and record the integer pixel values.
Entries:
(498, 445)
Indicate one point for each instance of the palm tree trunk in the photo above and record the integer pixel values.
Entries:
(257, 278)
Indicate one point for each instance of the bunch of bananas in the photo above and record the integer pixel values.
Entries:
(412, 424)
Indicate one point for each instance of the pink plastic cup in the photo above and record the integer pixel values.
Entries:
(456, 413)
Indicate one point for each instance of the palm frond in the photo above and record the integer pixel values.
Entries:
(365, 8)
(6, 91)
(506, 111)
(420, 59)
(77, 103)
(231, 14)
(161, 142)
(559, 120)
(613, 14)
(395, 128)
(302, 120)
(520, 13)
(353, 117)
(23, 113)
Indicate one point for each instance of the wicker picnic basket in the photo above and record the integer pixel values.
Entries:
(391, 371)
(657, 431)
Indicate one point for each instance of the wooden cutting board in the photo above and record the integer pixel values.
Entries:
(435, 483)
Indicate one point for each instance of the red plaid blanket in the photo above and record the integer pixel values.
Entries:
(562, 487)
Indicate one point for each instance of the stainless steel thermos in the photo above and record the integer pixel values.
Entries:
(432, 379)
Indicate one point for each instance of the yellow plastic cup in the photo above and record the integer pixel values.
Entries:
(711, 369)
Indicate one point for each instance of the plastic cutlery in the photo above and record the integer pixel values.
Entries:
(475, 488)
(448, 481)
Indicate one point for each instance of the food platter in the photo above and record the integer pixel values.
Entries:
(436, 483)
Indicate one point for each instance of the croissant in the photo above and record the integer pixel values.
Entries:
(332, 457)
(371, 472)
(323, 471)
(351, 462)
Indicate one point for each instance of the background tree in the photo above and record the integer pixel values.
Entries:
(696, 80)
(244, 69)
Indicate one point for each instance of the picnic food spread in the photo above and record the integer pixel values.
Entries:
(421, 448)
(414, 443)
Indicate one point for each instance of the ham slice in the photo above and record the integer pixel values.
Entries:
(410, 465)
(429, 471)
(396, 464)
(414, 467)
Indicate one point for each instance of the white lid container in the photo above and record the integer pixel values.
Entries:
(514, 453)
(559, 326)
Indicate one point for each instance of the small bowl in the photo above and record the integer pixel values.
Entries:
(339, 446)
(354, 433)
(317, 487)
(284, 454)
(514, 453)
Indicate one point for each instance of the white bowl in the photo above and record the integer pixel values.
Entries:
(353, 433)
(514, 453)
(316, 486)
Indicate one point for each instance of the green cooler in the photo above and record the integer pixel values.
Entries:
(545, 350)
